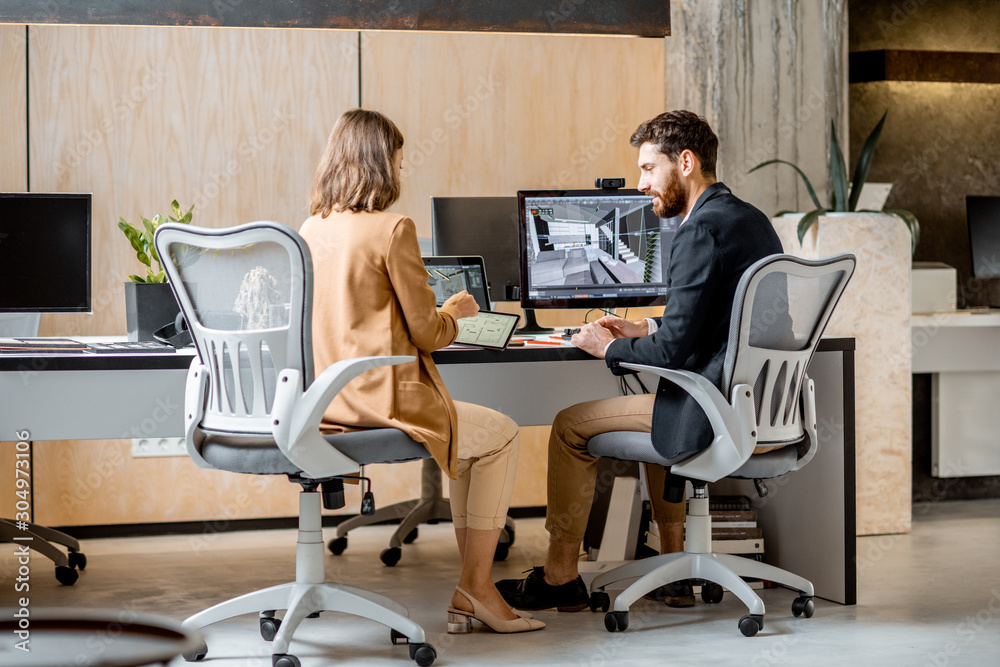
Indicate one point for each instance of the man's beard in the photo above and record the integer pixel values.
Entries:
(672, 201)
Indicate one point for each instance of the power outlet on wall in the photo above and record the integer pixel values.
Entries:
(146, 447)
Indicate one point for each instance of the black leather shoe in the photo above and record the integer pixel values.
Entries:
(532, 593)
(679, 594)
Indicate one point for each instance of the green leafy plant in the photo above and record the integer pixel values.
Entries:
(844, 197)
(142, 241)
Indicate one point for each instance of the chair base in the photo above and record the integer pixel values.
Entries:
(309, 594)
(722, 569)
(44, 541)
(302, 600)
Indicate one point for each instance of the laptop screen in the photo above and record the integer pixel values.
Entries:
(451, 275)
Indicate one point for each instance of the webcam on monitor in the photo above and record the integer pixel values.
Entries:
(609, 183)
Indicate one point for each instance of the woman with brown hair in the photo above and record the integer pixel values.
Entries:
(371, 298)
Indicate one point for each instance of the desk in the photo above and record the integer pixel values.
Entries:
(809, 517)
(961, 350)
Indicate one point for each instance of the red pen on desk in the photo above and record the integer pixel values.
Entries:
(542, 342)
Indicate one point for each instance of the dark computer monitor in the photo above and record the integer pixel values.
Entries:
(983, 215)
(592, 249)
(44, 253)
(484, 226)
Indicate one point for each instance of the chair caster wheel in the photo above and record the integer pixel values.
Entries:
(616, 620)
(66, 576)
(751, 624)
(600, 601)
(77, 560)
(198, 653)
(285, 660)
(269, 628)
(423, 654)
(711, 593)
(803, 606)
(337, 545)
(503, 550)
(411, 536)
(390, 556)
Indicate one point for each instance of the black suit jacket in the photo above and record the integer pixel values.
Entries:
(721, 238)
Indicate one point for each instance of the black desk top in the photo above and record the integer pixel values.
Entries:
(181, 359)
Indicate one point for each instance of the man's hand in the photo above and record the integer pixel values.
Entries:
(461, 304)
(593, 338)
(620, 328)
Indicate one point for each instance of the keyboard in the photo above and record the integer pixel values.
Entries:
(131, 347)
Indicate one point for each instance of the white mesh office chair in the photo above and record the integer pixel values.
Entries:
(252, 406)
(782, 306)
(44, 540)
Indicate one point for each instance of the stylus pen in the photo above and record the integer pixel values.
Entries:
(542, 342)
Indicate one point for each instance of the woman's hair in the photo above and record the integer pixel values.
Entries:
(357, 171)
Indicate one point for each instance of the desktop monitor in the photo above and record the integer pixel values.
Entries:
(983, 215)
(484, 226)
(592, 249)
(44, 253)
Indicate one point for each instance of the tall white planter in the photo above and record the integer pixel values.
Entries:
(875, 310)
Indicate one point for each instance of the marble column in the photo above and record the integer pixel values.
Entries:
(771, 78)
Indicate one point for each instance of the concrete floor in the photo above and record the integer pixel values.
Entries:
(928, 598)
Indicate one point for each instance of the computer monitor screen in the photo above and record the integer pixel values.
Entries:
(983, 214)
(592, 248)
(484, 226)
(44, 253)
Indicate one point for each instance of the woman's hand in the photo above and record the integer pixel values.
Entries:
(461, 305)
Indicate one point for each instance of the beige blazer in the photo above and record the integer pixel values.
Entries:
(371, 298)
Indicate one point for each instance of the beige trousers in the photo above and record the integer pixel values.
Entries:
(572, 475)
(487, 462)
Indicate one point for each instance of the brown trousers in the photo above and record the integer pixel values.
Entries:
(572, 473)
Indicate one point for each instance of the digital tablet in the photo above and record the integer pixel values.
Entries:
(488, 329)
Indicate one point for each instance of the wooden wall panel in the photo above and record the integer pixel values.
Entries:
(491, 114)
(13, 178)
(233, 121)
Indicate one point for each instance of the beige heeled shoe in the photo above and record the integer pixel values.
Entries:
(460, 621)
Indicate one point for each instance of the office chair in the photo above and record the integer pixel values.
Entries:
(253, 406)
(430, 507)
(43, 539)
(781, 307)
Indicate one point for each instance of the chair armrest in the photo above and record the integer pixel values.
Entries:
(195, 390)
(734, 424)
(297, 414)
(808, 422)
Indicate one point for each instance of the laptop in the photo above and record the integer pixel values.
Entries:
(451, 275)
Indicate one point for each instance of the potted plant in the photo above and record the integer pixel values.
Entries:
(874, 310)
(844, 196)
(149, 302)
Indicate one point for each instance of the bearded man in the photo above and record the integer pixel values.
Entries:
(719, 238)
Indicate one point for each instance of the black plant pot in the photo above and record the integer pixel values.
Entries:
(148, 306)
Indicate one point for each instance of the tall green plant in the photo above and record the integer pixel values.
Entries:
(142, 241)
(842, 197)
